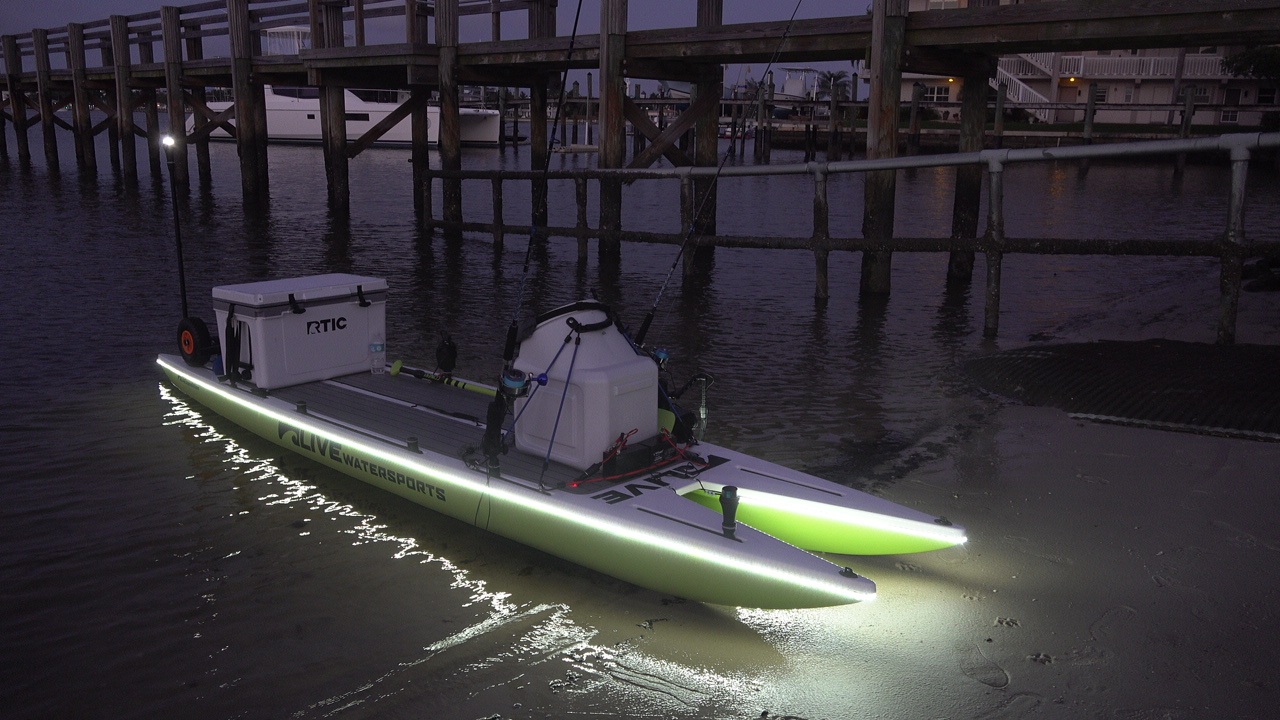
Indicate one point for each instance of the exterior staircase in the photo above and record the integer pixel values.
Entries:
(1020, 94)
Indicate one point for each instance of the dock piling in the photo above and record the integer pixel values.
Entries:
(888, 36)
(17, 94)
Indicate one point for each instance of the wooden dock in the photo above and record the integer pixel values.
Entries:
(166, 61)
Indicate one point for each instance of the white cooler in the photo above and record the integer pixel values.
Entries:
(612, 390)
(297, 330)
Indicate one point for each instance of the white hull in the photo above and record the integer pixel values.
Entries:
(297, 120)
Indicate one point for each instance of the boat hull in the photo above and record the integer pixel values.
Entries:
(656, 539)
(297, 120)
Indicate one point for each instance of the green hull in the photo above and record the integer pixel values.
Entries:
(659, 540)
(831, 529)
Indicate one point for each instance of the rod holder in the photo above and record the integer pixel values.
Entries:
(729, 511)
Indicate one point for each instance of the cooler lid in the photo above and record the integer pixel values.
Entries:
(303, 289)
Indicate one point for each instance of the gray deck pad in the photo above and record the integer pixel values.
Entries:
(444, 419)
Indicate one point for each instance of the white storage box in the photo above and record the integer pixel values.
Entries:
(612, 389)
(297, 330)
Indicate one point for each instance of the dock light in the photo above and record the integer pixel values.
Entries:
(167, 141)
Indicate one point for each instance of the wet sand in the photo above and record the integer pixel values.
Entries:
(1112, 572)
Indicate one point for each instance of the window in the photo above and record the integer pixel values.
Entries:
(358, 116)
(1100, 94)
(937, 93)
(296, 92)
(1266, 96)
(1201, 93)
(943, 4)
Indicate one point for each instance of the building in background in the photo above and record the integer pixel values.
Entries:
(1129, 86)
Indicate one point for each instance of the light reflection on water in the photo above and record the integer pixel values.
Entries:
(532, 634)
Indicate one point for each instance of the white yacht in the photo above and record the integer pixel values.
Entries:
(293, 116)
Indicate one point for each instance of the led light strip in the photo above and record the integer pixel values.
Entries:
(593, 521)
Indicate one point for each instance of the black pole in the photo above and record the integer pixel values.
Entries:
(177, 226)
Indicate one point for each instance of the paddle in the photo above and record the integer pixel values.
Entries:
(399, 367)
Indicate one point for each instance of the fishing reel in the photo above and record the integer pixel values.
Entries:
(515, 383)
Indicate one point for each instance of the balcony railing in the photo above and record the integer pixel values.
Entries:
(1105, 67)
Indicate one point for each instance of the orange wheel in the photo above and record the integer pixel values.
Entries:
(194, 341)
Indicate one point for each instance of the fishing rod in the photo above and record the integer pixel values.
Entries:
(511, 384)
(648, 318)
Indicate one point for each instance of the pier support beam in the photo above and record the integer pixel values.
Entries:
(888, 35)
(542, 24)
(450, 137)
(44, 96)
(420, 158)
(195, 51)
(613, 32)
(706, 151)
(123, 60)
(150, 107)
(17, 97)
(86, 153)
(170, 21)
(968, 192)
(326, 18)
(251, 114)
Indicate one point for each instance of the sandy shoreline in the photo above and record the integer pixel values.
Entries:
(1112, 572)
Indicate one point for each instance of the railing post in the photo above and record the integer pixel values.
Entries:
(913, 131)
(995, 248)
(998, 129)
(1233, 248)
(580, 194)
(499, 233)
(1090, 109)
(1188, 112)
(821, 235)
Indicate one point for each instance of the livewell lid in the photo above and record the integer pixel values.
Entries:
(266, 293)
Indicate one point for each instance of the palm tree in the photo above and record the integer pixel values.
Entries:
(835, 82)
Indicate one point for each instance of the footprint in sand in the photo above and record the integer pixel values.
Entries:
(1104, 627)
(977, 666)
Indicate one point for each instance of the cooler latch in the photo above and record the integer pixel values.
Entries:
(294, 306)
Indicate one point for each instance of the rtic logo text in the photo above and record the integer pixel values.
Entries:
(326, 325)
